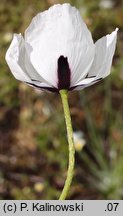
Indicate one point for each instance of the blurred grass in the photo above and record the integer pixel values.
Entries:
(33, 147)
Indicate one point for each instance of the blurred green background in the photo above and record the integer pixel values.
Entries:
(33, 144)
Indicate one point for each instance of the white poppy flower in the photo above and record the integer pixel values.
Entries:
(58, 52)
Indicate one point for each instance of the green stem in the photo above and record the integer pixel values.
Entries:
(64, 97)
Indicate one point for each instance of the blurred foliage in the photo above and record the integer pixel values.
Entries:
(33, 148)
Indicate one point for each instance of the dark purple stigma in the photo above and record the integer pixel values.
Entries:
(64, 73)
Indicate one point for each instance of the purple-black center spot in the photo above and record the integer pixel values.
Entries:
(64, 73)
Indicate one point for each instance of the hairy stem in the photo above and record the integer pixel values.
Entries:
(64, 97)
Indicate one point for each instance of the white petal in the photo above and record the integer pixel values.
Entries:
(14, 58)
(60, 31)
(29, 67)
(86, 82)
(41, 86)
(105, 48)
(85, 62)
(19, 62)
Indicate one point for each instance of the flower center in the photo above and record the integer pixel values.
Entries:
(64, 73)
